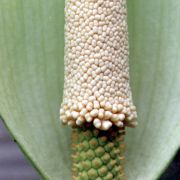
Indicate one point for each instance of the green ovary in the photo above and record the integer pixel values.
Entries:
(97, 155)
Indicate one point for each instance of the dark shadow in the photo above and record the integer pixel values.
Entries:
(173, 170)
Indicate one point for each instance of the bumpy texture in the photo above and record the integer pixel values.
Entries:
(98, 155)
(96, 88)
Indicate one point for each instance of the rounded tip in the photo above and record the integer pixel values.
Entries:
(97, 123)
(106, 125)
(132, 124)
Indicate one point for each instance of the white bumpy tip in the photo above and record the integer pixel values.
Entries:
(96, 88)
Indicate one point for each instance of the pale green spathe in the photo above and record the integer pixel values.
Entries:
(31, 78)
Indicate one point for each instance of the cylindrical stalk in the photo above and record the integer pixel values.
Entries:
(98, 154)
(97, 98)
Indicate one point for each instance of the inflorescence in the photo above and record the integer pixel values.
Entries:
(97, 89)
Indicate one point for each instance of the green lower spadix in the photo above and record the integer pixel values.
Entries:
(97, 154)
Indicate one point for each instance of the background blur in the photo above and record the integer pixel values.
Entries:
(14, 166)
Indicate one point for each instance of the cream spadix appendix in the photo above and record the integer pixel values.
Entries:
(96, 84)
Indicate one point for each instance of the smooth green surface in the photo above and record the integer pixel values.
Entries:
(31, 83)
(155, 77)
